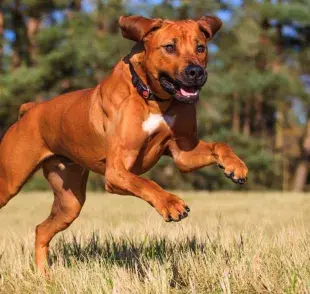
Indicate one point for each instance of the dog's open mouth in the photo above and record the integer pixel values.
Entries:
(188, 91)
(180, 91)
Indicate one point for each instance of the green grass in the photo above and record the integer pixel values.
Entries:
(231, 243)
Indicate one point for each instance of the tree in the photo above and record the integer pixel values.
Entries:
(255, 69)
(1, 40)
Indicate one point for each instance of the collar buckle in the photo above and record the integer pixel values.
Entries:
(146, 93)
(142, 89)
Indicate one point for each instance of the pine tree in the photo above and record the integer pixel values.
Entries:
(1, 39)
(256, 64)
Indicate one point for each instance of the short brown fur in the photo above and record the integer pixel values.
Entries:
(100, 129)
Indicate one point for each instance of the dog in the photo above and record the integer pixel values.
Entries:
(143, 110)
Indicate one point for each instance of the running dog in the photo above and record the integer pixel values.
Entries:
(144, 109)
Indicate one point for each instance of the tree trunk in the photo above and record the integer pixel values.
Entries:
(279, 136)
(258, 121)
(301, 175)
(184, 9)
(99, 17)
(33, 26)
(281, 162)
(302, 169)
(21, 43)
(247, 119)
(236, 114)
(1, 40)
(75, 6)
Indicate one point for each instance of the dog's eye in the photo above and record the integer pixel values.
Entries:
(201, 48)
(170, 48)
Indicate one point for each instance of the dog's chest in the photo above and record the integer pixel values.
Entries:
(158, 131)
(155, 121)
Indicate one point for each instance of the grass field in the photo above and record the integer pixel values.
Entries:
(231, 243)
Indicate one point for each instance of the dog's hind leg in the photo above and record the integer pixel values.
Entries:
(69, 187)
(21, 151)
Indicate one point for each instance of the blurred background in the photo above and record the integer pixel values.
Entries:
(257, 98)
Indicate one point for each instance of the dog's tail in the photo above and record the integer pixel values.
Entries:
(25, 107)
(22, 110)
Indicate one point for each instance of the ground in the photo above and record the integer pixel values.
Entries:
(231, 243)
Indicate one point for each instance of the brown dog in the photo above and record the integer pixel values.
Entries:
(144, 109)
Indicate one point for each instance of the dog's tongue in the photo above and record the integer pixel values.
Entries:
(189, 92)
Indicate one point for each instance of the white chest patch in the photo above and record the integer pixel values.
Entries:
(154, 120)
(152, 123)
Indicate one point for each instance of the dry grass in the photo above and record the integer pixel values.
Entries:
(231, 243)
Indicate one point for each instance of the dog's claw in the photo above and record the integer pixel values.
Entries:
(172, 208)
(241, 181)
(221, 166)
(235, 169)
(230, 175)
(169, 219)
(187, 209)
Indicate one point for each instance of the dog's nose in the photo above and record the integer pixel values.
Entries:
(194, 72)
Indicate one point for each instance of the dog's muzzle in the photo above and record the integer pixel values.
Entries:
(186, 87)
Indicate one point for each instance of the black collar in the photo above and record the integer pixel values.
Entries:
(143, 90)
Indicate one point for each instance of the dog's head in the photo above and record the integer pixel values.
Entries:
(176, 53)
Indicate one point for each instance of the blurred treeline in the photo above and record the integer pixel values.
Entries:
(256, 98)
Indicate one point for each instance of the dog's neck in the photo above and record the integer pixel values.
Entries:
(137, 58)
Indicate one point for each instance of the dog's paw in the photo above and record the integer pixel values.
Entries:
(172, 208)
(235, 169)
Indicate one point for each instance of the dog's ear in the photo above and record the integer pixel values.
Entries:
(137, 27)
(209, 25)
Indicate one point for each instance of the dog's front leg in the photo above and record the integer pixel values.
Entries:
(203, 154)
(121, 181)
(124, 142)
